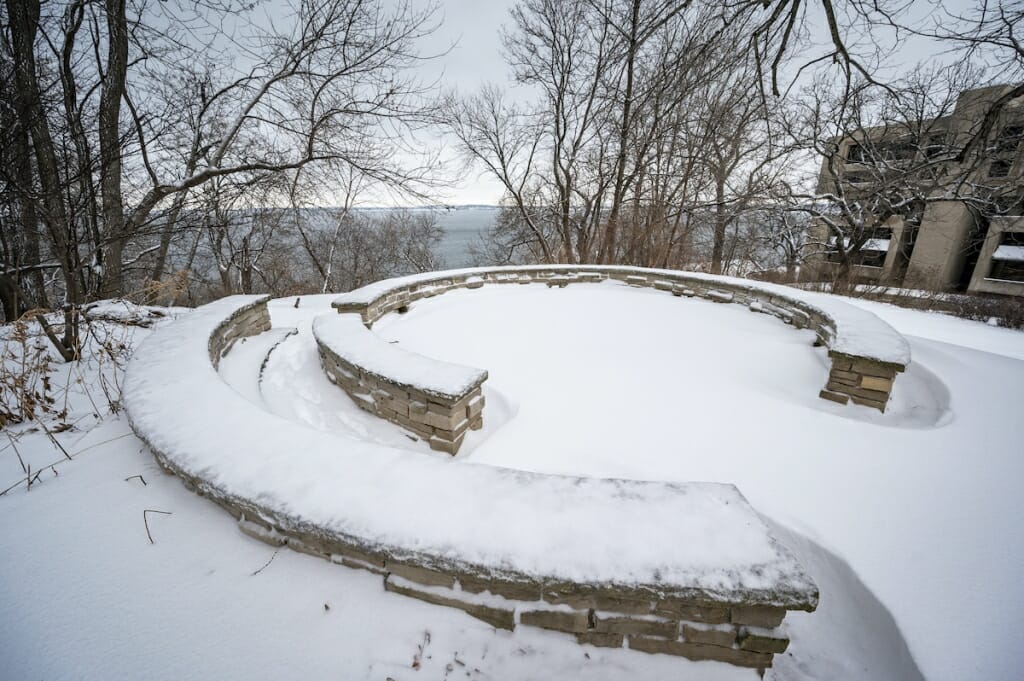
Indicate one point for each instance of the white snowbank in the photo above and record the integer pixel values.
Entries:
(560, 527)
(127, 312)
(856, 331)
(348, 337)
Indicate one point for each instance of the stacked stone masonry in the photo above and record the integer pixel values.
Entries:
(741, 633)
(862, 380)
(745, 631)
(441, 420)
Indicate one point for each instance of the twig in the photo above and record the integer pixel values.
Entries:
(145, 521)
(267, 564)
(17, 453)
(136, 476)
(65, 352)
(54, 441)
(97, 444)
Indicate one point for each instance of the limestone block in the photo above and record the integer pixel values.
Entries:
(601, 640)
(768, 616)
(568, 594)
(697, 651)
(363, 401)
(310, 548)
(261, 532)
(875, 383)
(833, 397)
(516, 591)
(868, 367)
(760, 643)
(424, 431)
(450, 422)
(632, 625)
(709, 636)
(863, 393)
(475, 406)
(343, 552)
(420, 575)
(443, 445)
(557, 620)
(874, 404)
(622, 604)
(496, 617)
(692, 612)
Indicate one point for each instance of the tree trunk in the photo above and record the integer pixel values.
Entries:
(110, 148)
(721, 222)
(607, 254)
(9, 299)
(24, 20)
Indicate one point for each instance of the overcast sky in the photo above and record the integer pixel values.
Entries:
(473, 26)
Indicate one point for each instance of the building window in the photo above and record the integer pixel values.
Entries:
(999, 168)
(856, 178)
(1009, 139)
(935, 146)
(872, 252)
(855, 154)
(904, 150)
(1008, 259)
(1008, 205)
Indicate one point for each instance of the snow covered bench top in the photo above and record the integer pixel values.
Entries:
(866, 352)
(854, 331)
(398, 508)
(349, 339)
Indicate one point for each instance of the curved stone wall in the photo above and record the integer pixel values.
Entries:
(438, 401)
(685, 569)
(866, 352)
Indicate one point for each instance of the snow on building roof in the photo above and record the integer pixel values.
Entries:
(1009, 252)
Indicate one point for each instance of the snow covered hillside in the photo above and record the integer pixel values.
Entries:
(906, 520)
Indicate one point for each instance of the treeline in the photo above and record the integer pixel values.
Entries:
(150, 147)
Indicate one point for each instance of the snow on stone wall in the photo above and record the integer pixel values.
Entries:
(678, 568)
(866, 352)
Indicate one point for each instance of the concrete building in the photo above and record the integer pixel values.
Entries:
(973, 241)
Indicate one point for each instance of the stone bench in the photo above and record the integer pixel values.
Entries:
(685, 569)
(866, 353)
(436, 400)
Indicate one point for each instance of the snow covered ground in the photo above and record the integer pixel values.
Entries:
(908, 521)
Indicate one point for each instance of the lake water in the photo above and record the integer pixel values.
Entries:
(462, 228)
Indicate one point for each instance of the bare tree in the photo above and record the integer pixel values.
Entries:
(887, 155)
(125, 122)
